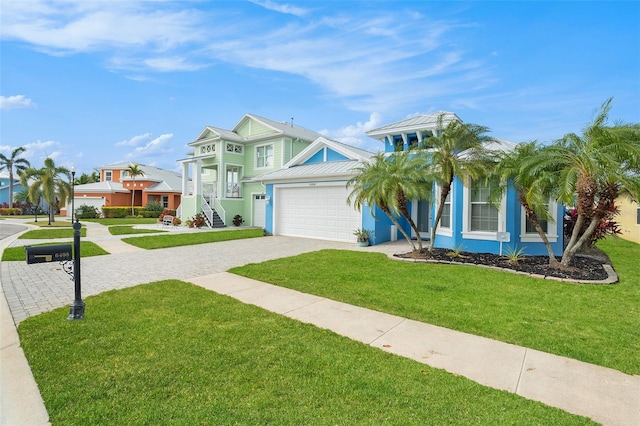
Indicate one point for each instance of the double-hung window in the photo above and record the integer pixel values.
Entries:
(264, 156)
(484, 216)
(107, 176)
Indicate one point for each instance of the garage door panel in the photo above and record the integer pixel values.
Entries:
(316, 212)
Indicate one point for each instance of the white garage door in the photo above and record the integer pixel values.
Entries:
(315, 212)
(96, 202)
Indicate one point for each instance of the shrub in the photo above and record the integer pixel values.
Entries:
(238, 220)
(87, 212)
(6, 211)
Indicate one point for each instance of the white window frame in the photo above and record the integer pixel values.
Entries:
(234, 148)
(265, 147)
(466, 217)
(446, 231)
(164, 200)
(533, 237)
(108, 176)
(228, 189)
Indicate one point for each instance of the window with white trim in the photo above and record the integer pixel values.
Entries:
(264, 156)
(107, 175)
(484, 216)
(528, 232)
(445, 219)
(234, 148)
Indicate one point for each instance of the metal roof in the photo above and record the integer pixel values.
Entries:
(317, 171)
(412, 124)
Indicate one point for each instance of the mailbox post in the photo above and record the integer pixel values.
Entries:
(76, 310)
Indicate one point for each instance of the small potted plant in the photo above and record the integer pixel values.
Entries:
(238, 220)
(362, 236)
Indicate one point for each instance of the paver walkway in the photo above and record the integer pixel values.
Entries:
(605, 395)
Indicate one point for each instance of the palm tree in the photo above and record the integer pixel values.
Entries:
(534, 192)
(52, 182)
(592, 170)
(455, 150)
(13, 162)
(134, 170)
(389, 182)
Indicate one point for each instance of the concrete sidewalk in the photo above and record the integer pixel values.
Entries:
(607, 396)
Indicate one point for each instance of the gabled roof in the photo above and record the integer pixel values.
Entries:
(297, 169)
(284, 128)
(414, 124)
(315, 171)
(170, 180)
(106, 187)
(348, 151)
(211, 132)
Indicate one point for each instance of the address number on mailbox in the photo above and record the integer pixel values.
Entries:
(42, 254)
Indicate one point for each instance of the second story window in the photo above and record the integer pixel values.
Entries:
(107, 176)
(264, 156)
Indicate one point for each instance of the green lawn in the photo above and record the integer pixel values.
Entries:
(174, 353)
(51, 233)
(599, 324)
(124, 221)
(17, 254)
(129, 229)
(191, 238)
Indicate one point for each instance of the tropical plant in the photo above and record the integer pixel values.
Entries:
(456, 150)
(514, 254)
(534, 191)
(11, 163)
(51, 182)
(389, 183)
(134, 170)
(363, 235)
(591, 171)
(238, 220)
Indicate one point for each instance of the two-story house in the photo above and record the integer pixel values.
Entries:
(224, 164)
(116, 186)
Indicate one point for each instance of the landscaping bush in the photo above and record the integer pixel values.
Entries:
(10, 211)
(87, 212)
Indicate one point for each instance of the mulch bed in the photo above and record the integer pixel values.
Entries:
(585, 266)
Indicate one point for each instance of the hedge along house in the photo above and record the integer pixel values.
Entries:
(470, 221)
(307, 197)
(116, 186)
(224, 165)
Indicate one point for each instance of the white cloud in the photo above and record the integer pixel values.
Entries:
(151, 148)
(16, 101)
(355, 134)
(134, 141)
(281, 7)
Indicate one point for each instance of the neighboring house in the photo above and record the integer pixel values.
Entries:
(469, 220)
(224, 164)
(628, 219)
(4, 187)
(115, 186)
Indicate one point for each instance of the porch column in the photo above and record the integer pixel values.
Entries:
(197, 178)
(185, 178)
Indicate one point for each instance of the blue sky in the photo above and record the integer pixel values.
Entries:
(91, 83)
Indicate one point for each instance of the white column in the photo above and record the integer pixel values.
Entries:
(197, 178)
(185, 178)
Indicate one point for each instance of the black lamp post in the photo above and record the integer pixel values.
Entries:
(76, 310)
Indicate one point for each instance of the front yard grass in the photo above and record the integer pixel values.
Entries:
(53, 233)
(129, 229)
(18, 254)
(599, 324)
(191, 238)
(184, 355)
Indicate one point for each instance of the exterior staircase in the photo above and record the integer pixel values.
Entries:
(215, 221)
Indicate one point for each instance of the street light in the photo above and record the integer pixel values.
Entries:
(76, 310)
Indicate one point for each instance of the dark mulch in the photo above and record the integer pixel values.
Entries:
(585, 266)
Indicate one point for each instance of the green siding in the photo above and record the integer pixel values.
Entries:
(253, 128)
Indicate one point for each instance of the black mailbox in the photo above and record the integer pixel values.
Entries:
(55, 253)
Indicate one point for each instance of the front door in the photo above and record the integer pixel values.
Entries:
(259, 209)
(421, 215)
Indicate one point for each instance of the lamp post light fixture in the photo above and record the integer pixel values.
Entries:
(76, 310)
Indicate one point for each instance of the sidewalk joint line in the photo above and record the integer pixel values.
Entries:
(524, 359)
